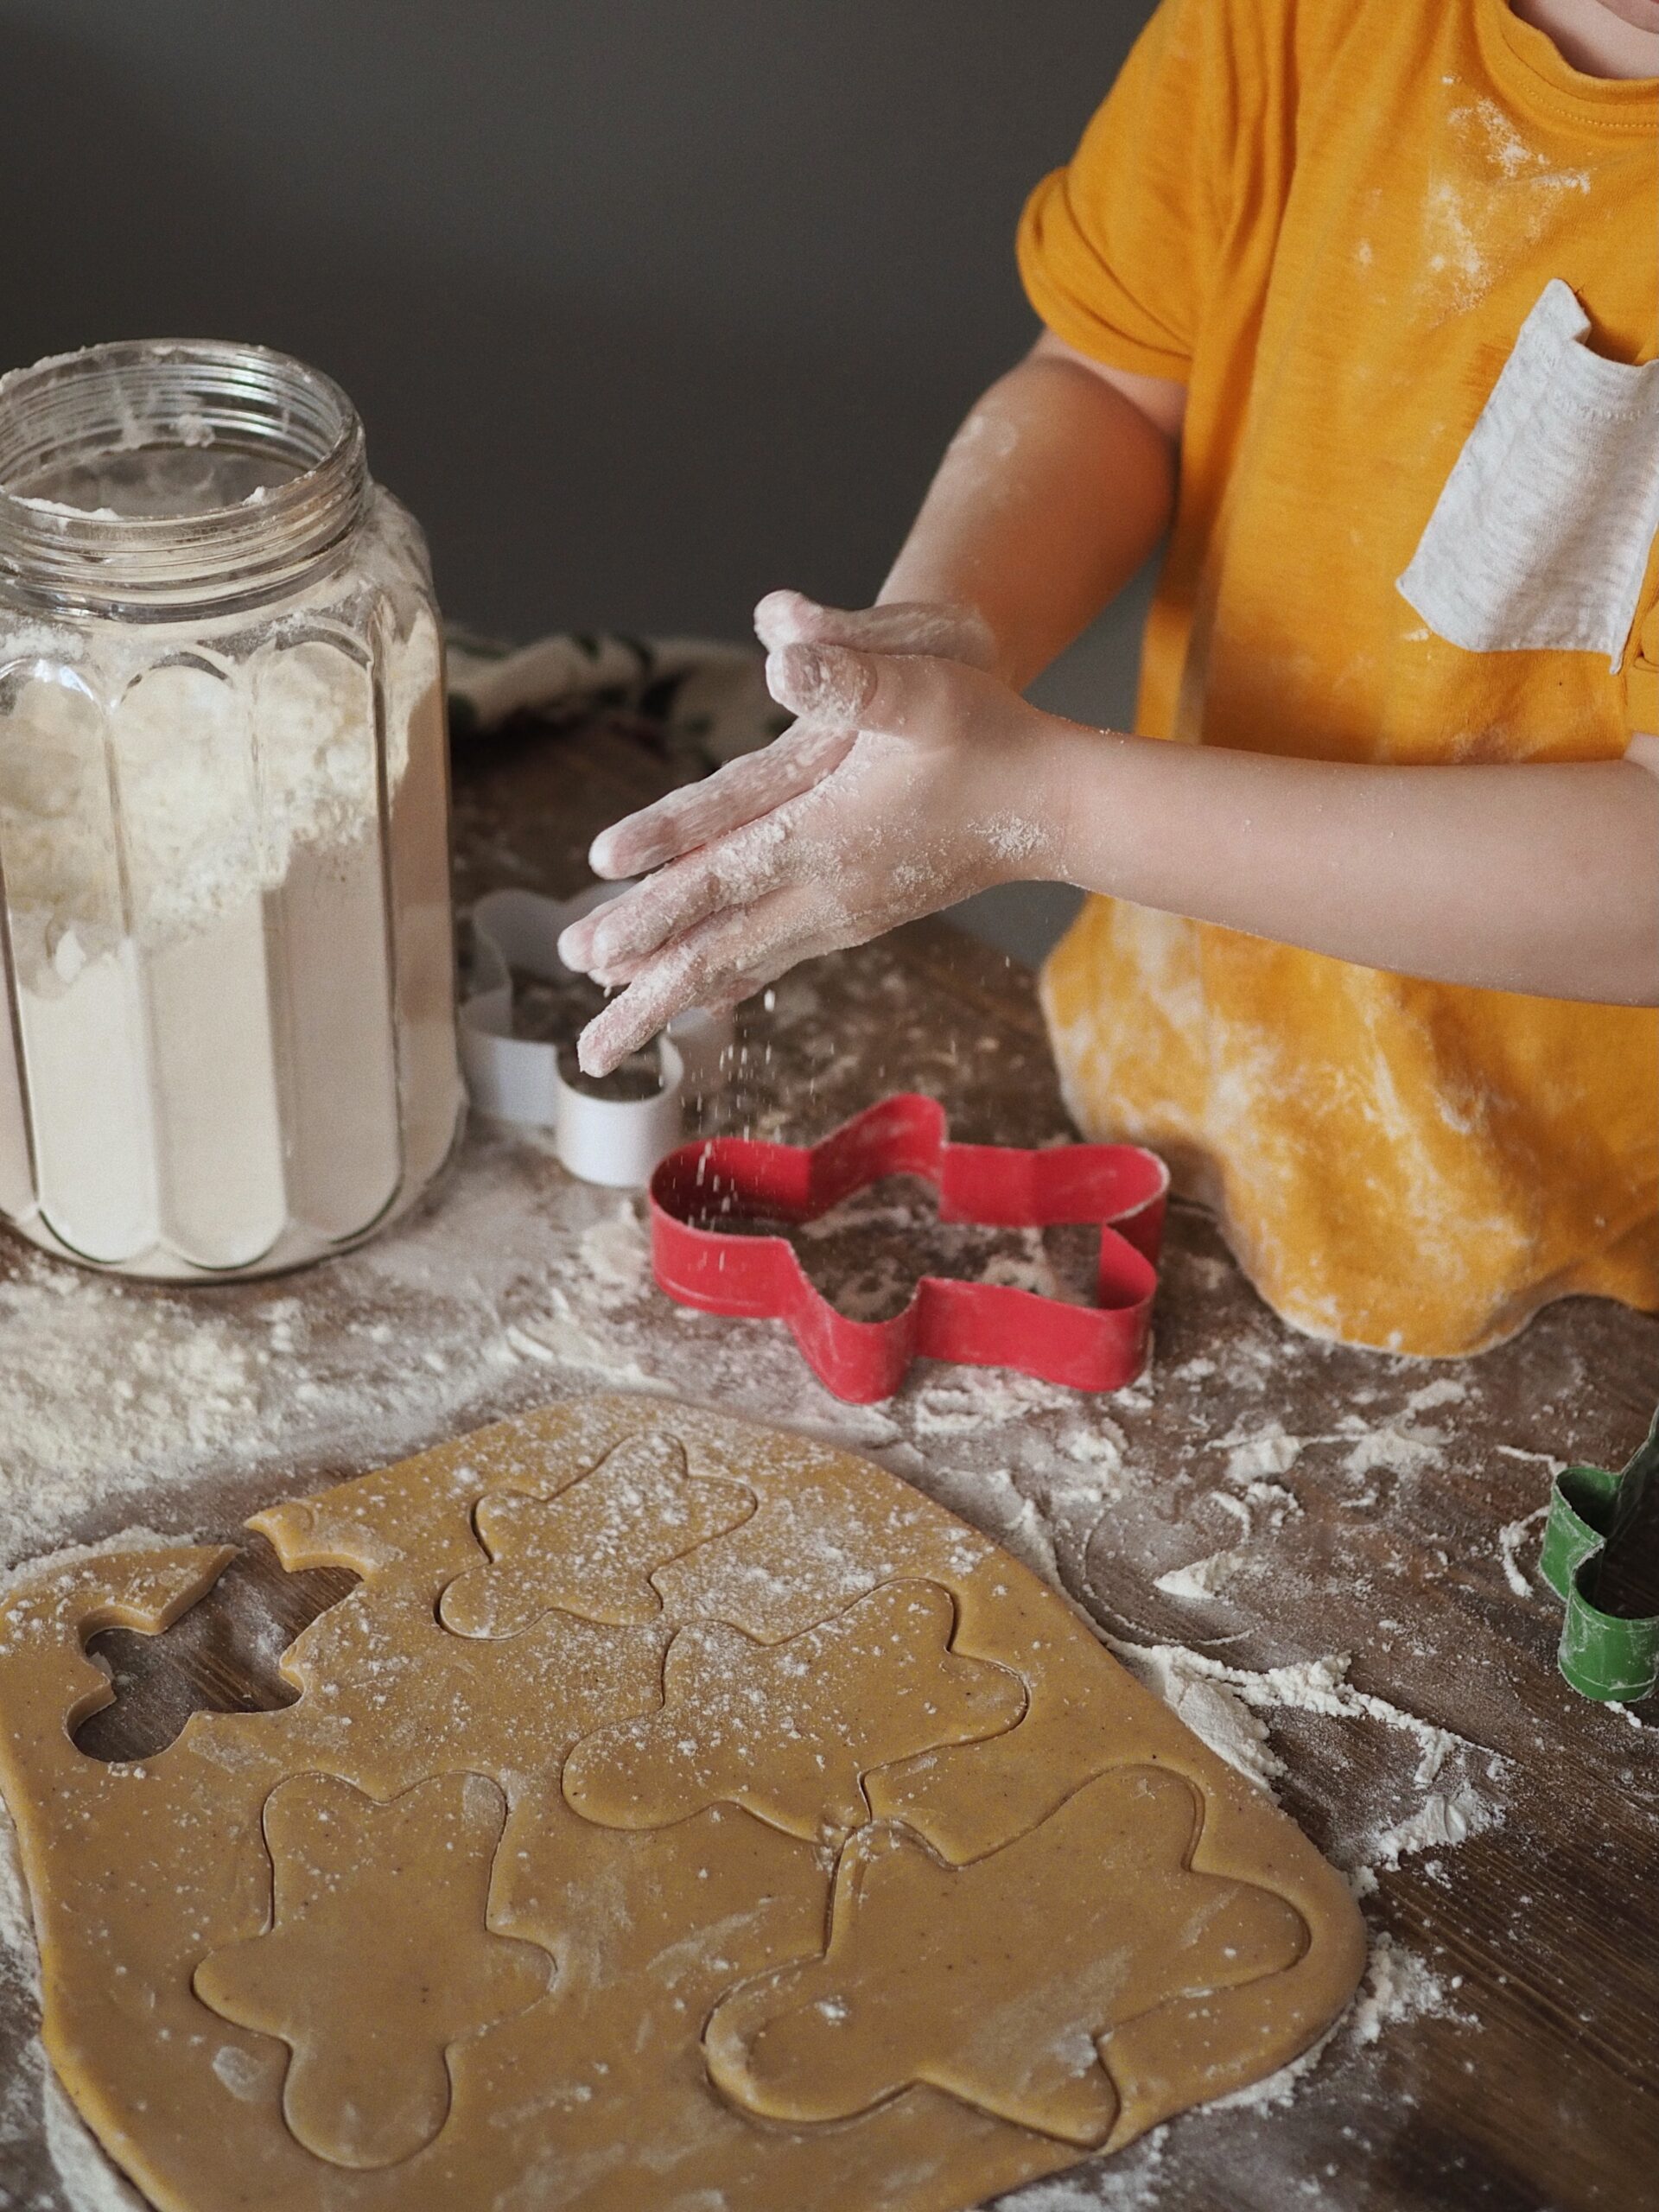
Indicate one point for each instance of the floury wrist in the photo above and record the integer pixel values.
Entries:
(1065, 791)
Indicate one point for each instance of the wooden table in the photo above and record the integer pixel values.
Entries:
(1533, 2080)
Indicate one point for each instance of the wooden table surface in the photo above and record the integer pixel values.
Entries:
(1532, 2081)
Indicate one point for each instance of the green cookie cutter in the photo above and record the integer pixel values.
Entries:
(1605, 1656)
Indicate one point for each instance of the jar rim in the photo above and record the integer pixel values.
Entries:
(140, 395)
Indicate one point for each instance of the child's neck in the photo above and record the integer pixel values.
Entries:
(1602, 38)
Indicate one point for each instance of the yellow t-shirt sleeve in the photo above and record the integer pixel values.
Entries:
(1117, 249)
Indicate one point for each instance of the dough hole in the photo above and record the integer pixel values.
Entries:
(221, 1657)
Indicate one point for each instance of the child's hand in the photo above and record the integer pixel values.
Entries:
(910, 782)
(745, 789)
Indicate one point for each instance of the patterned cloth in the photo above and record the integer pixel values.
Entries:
(709, 701)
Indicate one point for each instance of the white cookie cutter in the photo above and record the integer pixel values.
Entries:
(614, 1140)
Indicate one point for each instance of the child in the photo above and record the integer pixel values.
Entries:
(1357, 299)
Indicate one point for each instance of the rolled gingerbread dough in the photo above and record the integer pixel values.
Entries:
(679, 1814)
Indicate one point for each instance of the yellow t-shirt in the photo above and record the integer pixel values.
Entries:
(1330, 218)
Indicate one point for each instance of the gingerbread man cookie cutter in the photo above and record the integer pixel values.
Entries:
(1099, 1346)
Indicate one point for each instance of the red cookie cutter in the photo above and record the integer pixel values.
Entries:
(1098, 1347)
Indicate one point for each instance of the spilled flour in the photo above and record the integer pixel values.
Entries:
(1205, 1576)
(1222, 1704)
(520, 1286)
(1398, 1988)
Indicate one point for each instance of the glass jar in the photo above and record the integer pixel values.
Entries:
(227, 1044)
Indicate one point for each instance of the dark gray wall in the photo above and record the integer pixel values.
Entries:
(648, 304)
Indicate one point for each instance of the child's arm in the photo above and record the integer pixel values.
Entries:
(1052, 493)
(1541, 879)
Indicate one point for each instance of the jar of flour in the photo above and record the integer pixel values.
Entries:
(228, 1039)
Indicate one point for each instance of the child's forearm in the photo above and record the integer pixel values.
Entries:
(1539, 879)
(1052, 493)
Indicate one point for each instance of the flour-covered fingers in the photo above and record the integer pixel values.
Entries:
(734, 871)
(715, 963)
(906, 695)
(641, 1012)
(889, 692)
(789, 618)
(739, 792)
(747, 789)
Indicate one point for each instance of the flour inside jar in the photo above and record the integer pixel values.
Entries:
(222, 832)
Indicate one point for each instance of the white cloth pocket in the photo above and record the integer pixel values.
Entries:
(1539, 540)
